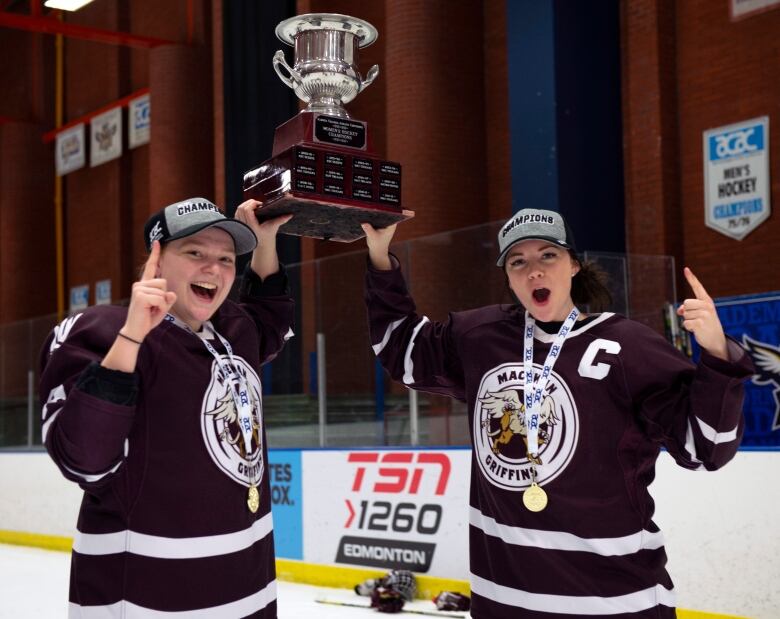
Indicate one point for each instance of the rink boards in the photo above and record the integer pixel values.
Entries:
(378, 508)
(372, 505)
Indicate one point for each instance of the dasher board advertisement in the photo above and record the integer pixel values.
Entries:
(388, 509)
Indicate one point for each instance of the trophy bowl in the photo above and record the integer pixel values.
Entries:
(325, 73)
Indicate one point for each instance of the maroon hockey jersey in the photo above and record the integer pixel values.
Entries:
(618, 393)
(164, 525)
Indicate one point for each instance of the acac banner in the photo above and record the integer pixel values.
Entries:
(736, 177)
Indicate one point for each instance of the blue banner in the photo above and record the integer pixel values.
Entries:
(286, 502)
(754, 321)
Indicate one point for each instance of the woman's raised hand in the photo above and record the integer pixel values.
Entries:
(378, 242)
(150, 299)
(701, 319)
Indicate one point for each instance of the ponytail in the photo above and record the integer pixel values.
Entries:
(589, 288)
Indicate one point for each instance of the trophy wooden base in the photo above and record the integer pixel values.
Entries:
(327, 220)
(324, 172)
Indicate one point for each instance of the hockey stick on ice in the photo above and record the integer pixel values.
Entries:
(430, 613)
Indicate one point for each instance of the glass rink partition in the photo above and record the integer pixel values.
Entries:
(326, 388)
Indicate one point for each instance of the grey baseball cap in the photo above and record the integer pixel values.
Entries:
(189, 217)
(537, 224)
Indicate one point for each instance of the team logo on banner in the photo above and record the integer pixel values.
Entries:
(766, 359)
(106, 142)
(500, 433)
(220, 423)
(70, 153)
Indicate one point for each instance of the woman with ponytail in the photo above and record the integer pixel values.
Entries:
(564, 437)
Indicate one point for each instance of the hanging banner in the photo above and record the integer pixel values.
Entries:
(745, 8)
(139, 121)
(79, 298)
(754, 321)
(106, 142)
(70, 153)
(103, 292)
(736, 177)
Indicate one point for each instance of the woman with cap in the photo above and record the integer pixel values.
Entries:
(155, 410)
(567, 414)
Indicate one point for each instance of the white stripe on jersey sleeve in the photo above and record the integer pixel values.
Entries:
(560, 540)
(712, 435)
(690, 448)
(56, 396)
(172, 547)
(408, 363)
(378, 348)
(61, 332)
(127, 610)
(575, 605)
(93, 477)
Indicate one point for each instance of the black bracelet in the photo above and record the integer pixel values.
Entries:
(120, 334)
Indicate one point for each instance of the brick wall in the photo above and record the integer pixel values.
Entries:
(688, 68)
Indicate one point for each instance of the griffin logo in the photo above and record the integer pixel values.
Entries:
(220, 423)
(504, 419)
(230, 433)
(767, 361)
(105, 136)
(501, 436)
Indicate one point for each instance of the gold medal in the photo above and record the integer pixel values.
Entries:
(535, 499)
(253, 499)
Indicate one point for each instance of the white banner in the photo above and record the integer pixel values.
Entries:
(736, 177)
(388, 509)
(70, 152)
(79, 298)
(139, 116)
(743, 8)
(106, 142)
(103, 292)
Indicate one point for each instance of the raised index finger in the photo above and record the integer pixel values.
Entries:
(152, 262)
(696, 286)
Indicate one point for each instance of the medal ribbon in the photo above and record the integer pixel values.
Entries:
(239, 389)
(533, 390)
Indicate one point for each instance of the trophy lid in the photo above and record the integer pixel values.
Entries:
(289, 28)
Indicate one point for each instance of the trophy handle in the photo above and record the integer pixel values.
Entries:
(372, 74)
(295, 78)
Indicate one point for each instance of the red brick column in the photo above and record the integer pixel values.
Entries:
(181, 149)
(651, 147)
(435, 111)
(27, 270)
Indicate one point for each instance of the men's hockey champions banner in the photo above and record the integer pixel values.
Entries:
(378, 508)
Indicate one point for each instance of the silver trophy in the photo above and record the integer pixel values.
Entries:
(325, 74)
(322, 168)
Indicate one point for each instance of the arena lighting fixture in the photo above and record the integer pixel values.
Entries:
(66, 5)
